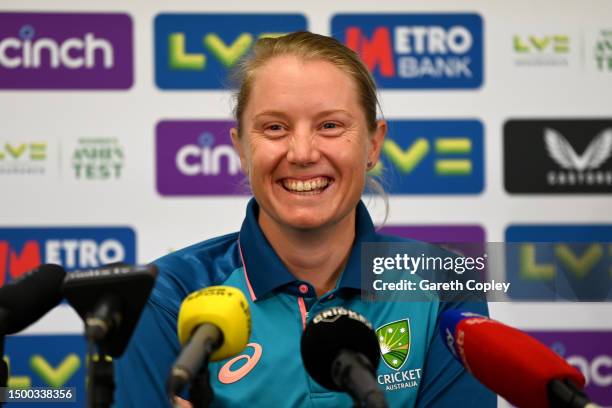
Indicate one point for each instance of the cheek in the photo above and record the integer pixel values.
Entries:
(265, 155)
(347, 153)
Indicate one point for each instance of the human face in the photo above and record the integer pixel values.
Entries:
(305, 144)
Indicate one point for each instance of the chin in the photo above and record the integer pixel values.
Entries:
(304, 223)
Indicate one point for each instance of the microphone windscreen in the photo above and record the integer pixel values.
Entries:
(330, 332)
(223, 306)
(506, 360)
(31, 296)
(128, 285)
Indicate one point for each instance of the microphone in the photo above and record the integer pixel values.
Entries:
(213, 324)
(511, 363)
(110, 300)
(340, 352)
(26, 299)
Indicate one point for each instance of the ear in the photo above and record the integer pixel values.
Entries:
(237, 143)
(376, 142)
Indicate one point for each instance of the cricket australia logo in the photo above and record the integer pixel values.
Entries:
(584, 169)
(394, 340)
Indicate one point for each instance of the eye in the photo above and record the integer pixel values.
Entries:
(330, 128)
(275, 129)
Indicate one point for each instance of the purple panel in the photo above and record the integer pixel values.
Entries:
(65, 51)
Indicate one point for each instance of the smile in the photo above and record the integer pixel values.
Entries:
(311, 186)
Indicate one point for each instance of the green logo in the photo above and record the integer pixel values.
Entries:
(406, 160)
(23, 158)
(603, 51)
(394, 341)
(98, 159)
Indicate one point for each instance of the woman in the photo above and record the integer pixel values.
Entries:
(306, 135)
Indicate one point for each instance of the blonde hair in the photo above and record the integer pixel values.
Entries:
(309, 46)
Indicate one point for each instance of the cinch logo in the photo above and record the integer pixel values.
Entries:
(196, 51)
(197, 158)
(17, 158)
(558, 156)
(588, 351)
(65, 51)
(22, 249)
(433, 157)
(536, 50)
(416, 50)
(49, 361)
(553, 261)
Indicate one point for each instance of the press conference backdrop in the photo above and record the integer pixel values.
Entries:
(114, 140)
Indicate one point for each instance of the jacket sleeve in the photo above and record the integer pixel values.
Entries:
(140, 374)
(445, 382)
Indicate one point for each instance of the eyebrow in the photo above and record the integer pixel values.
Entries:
(284, 115)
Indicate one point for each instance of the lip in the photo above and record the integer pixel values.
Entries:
(281, 183)
(304, 178)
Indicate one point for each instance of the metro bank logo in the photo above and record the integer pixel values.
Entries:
(422, 51)
(433, 157)
(65, 51)
(196, 51)
(22, 249)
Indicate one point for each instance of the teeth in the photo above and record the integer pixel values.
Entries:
(306, 186)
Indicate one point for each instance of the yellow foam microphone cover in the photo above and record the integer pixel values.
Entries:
(223, 306)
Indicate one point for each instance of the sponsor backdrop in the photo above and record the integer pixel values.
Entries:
(114, 145)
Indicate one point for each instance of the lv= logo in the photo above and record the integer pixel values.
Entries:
(406, 160)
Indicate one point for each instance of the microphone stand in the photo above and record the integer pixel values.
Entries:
(565, 394)
(201, 393)
(354, 368)
(101, 381)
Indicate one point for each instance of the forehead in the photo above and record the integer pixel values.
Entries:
(289, 82)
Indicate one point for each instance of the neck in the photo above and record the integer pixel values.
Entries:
(317, 256)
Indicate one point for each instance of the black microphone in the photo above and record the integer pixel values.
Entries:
(26, 299)
(340, 352)
(110, 300)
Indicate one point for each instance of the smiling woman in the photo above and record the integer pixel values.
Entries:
(306, 135)
(305, 142)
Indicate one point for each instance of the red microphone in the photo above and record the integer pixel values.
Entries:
(511, 363)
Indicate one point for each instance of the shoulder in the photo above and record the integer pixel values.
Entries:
(206, 263)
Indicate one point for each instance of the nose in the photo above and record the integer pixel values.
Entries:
(303, 149)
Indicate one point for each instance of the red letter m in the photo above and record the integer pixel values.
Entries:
(18, 263)
(375, 52)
